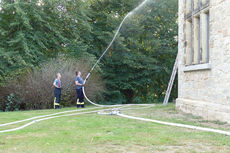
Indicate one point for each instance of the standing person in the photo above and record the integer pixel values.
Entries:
(79, 84)
(57, 91)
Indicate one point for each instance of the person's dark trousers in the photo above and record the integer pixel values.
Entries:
(57, 99)
(80, 98)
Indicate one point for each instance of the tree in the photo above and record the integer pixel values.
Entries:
(32, 31)
(138, 66)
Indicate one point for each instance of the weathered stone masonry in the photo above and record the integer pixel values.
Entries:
(204, 58)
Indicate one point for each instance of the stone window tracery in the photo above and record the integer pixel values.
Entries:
(197, 32)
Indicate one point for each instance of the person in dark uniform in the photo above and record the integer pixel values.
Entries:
(57, 91)
(79, 82)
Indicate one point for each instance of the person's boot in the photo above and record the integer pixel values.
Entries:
(82, 104)
(78, 104)
(57, 106)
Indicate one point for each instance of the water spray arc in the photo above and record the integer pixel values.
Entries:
(114, 37)
(106, 50)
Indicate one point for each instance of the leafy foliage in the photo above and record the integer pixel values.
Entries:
(139, 64)
(137, 67)
(35, 90)
(33, 31)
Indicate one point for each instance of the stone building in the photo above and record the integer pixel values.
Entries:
(204, 58)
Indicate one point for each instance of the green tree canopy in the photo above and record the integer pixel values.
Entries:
(33, 31)
(137, 67)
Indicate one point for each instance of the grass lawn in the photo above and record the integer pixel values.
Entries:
(111, 134)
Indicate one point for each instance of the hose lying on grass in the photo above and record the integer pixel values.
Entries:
(54, 115)
(47, 118)
(176, 124)
(114, 111)
(37, 117)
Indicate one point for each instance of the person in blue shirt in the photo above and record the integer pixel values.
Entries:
(57, 91)
(79, 82)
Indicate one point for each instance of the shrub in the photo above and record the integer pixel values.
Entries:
(36, 91)
(12, 103)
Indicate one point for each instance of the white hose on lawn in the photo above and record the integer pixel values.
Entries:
(47, 118)
(37, 117)
(114, 111)
(118, 105)
(41, 118)
(176, 124)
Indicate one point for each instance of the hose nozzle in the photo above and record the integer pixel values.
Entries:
(88, 75)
